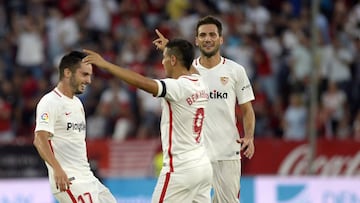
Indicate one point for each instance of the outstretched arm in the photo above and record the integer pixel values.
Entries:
(161, 41)
(128, 76)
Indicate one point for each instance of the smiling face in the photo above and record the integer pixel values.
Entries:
(208, 40)
(81, 78)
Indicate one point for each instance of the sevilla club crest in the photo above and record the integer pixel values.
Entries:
(224, 80)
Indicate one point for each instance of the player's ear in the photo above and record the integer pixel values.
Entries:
(221, 39)
(173, 60)
(67, 72)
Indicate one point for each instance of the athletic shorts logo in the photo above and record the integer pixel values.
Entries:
(224, 80)
(44, 118)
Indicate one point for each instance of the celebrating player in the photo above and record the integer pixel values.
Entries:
(60, 136)
(228, 84)
(186, 174)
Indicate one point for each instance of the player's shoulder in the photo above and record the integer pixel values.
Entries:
(232, 64)
(191, 78)
(51, 98)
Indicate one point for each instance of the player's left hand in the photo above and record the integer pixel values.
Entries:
(247, 146)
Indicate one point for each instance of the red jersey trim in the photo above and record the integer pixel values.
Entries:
(189, 78)
(73, 199)
(197, 61)
(164, 189)
(51, 147)
(56, 92)
(170, 137)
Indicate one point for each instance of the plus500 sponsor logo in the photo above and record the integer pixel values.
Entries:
(76, 126)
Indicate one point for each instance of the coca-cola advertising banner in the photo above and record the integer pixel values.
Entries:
(332, 157)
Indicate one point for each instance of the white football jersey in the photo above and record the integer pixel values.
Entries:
(64, 119)
(228, 83)
(183, 113)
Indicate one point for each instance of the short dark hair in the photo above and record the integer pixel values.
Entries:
(71, 61)
(183, 50)
(209, 20)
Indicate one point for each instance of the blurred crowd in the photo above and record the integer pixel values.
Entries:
(271, 39)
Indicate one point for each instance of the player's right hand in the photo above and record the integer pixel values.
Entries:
(161, 41)
(61, 180)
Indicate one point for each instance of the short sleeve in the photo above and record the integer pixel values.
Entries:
(45, 116)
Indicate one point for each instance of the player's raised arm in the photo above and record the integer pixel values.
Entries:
(161, 41)
(128, 76)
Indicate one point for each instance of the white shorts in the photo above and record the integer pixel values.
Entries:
(189, 185)
(86, 192)
(226, 181)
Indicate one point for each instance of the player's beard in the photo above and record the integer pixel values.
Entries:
(209, 54)
(75, 86)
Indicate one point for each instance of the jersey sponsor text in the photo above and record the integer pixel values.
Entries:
(76, 126)
(218, 95)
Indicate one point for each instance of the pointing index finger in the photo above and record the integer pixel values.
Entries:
(159, 34)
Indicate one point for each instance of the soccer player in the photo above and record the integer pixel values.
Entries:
(60, 136)
(186, 174)
(229, 85)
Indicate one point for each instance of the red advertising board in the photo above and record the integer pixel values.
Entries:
(272, 157)
(276, 156)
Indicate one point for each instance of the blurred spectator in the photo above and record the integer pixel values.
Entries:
(262, 65)
(92, 95)
(356, 126)
(100, 15)
(262, 127)
(300, 64)
(241, 53)
(352, 24)
(334, 106)
(3, 21)
(6, 131)
(30, 54)
(177, 8)
(185, 21)
(273, 48)
(258, 15)
(150, 112)
(96, 124)
(354, 99)
(338, 67)
(295, 120)
(344, 130)
(29, 94)
(115, 103)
